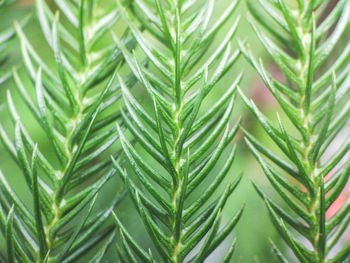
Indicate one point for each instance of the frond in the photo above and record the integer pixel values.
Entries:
(176, 188)
(303, 42)
(71, 96)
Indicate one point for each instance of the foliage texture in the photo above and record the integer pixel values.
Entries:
(5, 36)
(315, 98)
(70, 95)
(178, 139)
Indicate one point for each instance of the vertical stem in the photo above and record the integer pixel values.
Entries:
(316, 207)
(179, 190)
(73, 121)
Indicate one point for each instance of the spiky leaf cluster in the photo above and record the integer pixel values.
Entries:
(175, 190)
(71, 100)
(303, 39)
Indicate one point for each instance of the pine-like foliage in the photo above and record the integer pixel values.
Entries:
(302, 40)
(71, 100)
(175, 190)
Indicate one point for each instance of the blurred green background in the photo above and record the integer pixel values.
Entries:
(254, 229)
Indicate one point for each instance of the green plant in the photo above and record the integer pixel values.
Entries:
(5, 37)
(177, 212)
(74, 93)
(137, 79)
(315, 99)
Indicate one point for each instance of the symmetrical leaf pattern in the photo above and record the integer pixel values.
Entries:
(302, 40)
(71, 99)
(182, 221)
(175, 147)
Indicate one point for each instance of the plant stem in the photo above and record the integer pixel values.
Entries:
(73, 122)
(308, 140)
(177, 190)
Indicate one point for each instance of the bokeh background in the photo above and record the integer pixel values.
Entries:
(254, 229)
